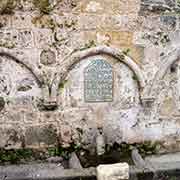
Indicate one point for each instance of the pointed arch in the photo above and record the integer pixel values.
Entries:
(166, 63)
(73, 59)
(18, 59)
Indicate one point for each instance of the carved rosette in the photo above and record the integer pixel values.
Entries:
(47, 57)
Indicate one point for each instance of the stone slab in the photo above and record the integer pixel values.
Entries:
(166, 158)
(43, 172)
(113, 172)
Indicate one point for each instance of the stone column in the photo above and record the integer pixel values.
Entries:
(118, 171)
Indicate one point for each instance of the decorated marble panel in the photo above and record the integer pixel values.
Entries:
(98, 82)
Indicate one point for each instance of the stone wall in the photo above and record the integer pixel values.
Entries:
(45, 49)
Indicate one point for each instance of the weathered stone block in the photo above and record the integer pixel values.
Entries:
(113, 172)
(7, 38)
(7, 6)
(22, 20)
(125, 7)
(157, 6)
(5, 21)
(122, 38)
(114, 22)
(167, 107)
(41, 136)
(74, 162)
(14, 117)
(93, 6)
(46, 117)
(115, 7)
(11, 137)
(31, 117)
(44, 21)
(169, 22)
(88, 22)
(43, 38)
(65, 6)
(65, 135)
(25, 39)
(2, 103)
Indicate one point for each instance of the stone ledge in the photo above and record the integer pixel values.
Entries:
(43, 172)
(56, 172)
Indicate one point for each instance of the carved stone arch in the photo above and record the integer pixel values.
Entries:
(17, 58)
(166, 63)
(38, 75)
(113, 52)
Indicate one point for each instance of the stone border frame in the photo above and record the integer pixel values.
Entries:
(76, 57)
(166, 63)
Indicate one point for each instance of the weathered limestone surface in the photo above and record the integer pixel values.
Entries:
(113, 172)
(74, 162)
(43, 57)
(44, 171)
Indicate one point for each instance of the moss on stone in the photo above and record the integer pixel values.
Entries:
(126, 51)
(145, 148)
(121, 56)
(15, 156)
(21, 156)
(88, 159)
(69, 23)
(7, 6)
(64, 152)
(44, 21)
(178, 2)
(2, 103)
(90, 44)
(8, 45)
(41, 134)
(134, 77)
(157, 38)
(43, 5)
(62, 85)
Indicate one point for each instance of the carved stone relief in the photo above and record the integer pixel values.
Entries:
(47, 57)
